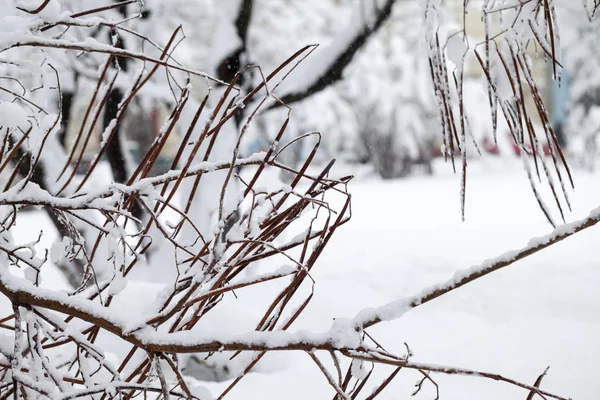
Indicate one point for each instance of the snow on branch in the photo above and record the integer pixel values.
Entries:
(511, 30)
(204, 266)
(396, 309)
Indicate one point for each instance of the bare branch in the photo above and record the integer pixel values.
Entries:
(344, 56)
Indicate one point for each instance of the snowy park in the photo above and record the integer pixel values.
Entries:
(316, 199)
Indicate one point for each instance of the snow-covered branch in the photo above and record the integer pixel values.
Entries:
(396, 309)
(326, 65)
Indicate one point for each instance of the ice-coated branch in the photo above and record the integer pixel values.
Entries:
(342, 337)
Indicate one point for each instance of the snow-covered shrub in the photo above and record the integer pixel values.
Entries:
(98, 339)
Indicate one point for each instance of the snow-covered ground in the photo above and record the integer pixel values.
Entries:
(407, 234)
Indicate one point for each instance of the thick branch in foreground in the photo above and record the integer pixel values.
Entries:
(335, 68)
(396, 309)
(17, 290)
(183, 342)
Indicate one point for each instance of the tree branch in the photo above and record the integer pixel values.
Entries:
(396, 309)
(39, 42)
(235, 62)
(450, 371)
(37, 10)
(20, 291)
(336, 65)
(242, 22)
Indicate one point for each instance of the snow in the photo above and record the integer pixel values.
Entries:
(358, 369)
(6, 345)
(13, 116)
(407, 235)
(60, 250)
(31, 274)
(52, 10)
(456, 48)
(117, 285)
